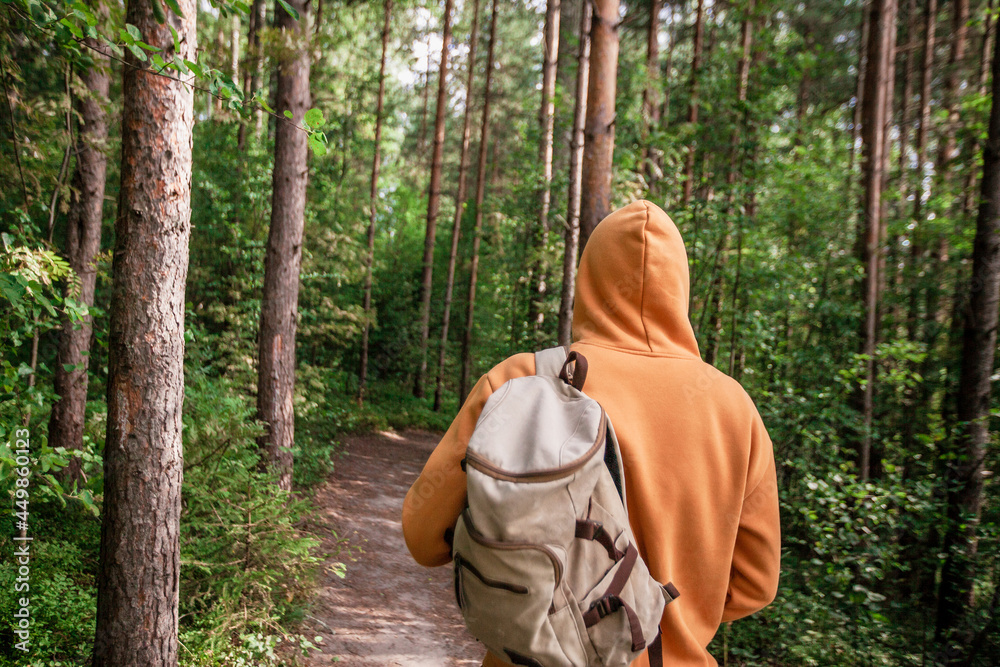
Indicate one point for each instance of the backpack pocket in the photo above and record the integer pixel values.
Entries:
(505, 591)
(626, 603)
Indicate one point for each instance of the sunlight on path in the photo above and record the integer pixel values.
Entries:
(387, 610)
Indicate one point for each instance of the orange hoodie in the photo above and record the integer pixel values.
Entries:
(699, 466)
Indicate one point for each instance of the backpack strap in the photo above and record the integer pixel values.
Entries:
(656, 650)
(549, 362)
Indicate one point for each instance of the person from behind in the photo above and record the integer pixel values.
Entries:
(699, 467)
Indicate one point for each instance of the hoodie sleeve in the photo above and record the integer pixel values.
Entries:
(435, 500)
(756, 558)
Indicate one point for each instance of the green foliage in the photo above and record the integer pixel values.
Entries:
(247, 565)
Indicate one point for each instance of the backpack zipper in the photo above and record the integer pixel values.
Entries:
(490, 543)
(488, 468)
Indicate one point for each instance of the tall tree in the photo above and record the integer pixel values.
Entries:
(484, 140)
(572, 235)
(954, 80)
(873, 126)
(433, 202)
(979, 342)
(546, 123)
(859, 94)
(651, 93)
(920, 150)
(83, 242)
(456, 228)
(732, 174)
(252, 69)
(373, 201)
(693, 103)
(599, 130)
(283, 257)
(138, 573)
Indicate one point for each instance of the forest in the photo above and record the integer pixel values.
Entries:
(235, 234)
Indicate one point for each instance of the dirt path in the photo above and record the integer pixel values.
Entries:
(387, 610)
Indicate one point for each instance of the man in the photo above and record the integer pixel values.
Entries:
(698, 463)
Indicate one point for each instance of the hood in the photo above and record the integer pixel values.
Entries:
(632, 285)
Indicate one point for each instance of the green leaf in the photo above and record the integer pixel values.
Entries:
(72, 27)
(313, 118)
(174, 7)
(158, 14)
(137, 52)
(133, 31)
(177, 39)
(159, 62)
(317, 144)
(288, 8)
(259, 99)
(195, 68)
(288, 114)
(241, 6)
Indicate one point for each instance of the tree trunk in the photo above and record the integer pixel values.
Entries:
(668, 66)
(283, 257)
(859, 95)
(83, 242)
(952, 86)
(979, 343)
(546, 118)
(599, 130)
(947, 151)
(137, 581)
(905, 118)
(569, 45)
(651, 94)
(874, 114)
(732, 174)
(373, 202)
(572, 232)
(699, 32)
(484, 140)
(252, 74)
(433, 203)
(923, 130)
(969, 203)
(456, 228)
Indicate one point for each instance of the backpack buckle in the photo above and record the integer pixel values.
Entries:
(609, 604)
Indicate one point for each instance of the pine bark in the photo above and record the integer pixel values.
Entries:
(572, 231)
(484, 140)
(699, 36)
(83, 242)
(138, 574)
(599, 148)
(283, 256)
(373, 202)
(456, 228)
(874, 115)
(546, 120)
(979, 343)
(433, 202)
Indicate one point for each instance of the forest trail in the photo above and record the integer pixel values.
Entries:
(388, 610)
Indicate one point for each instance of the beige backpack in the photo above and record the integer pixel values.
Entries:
(546, 569)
